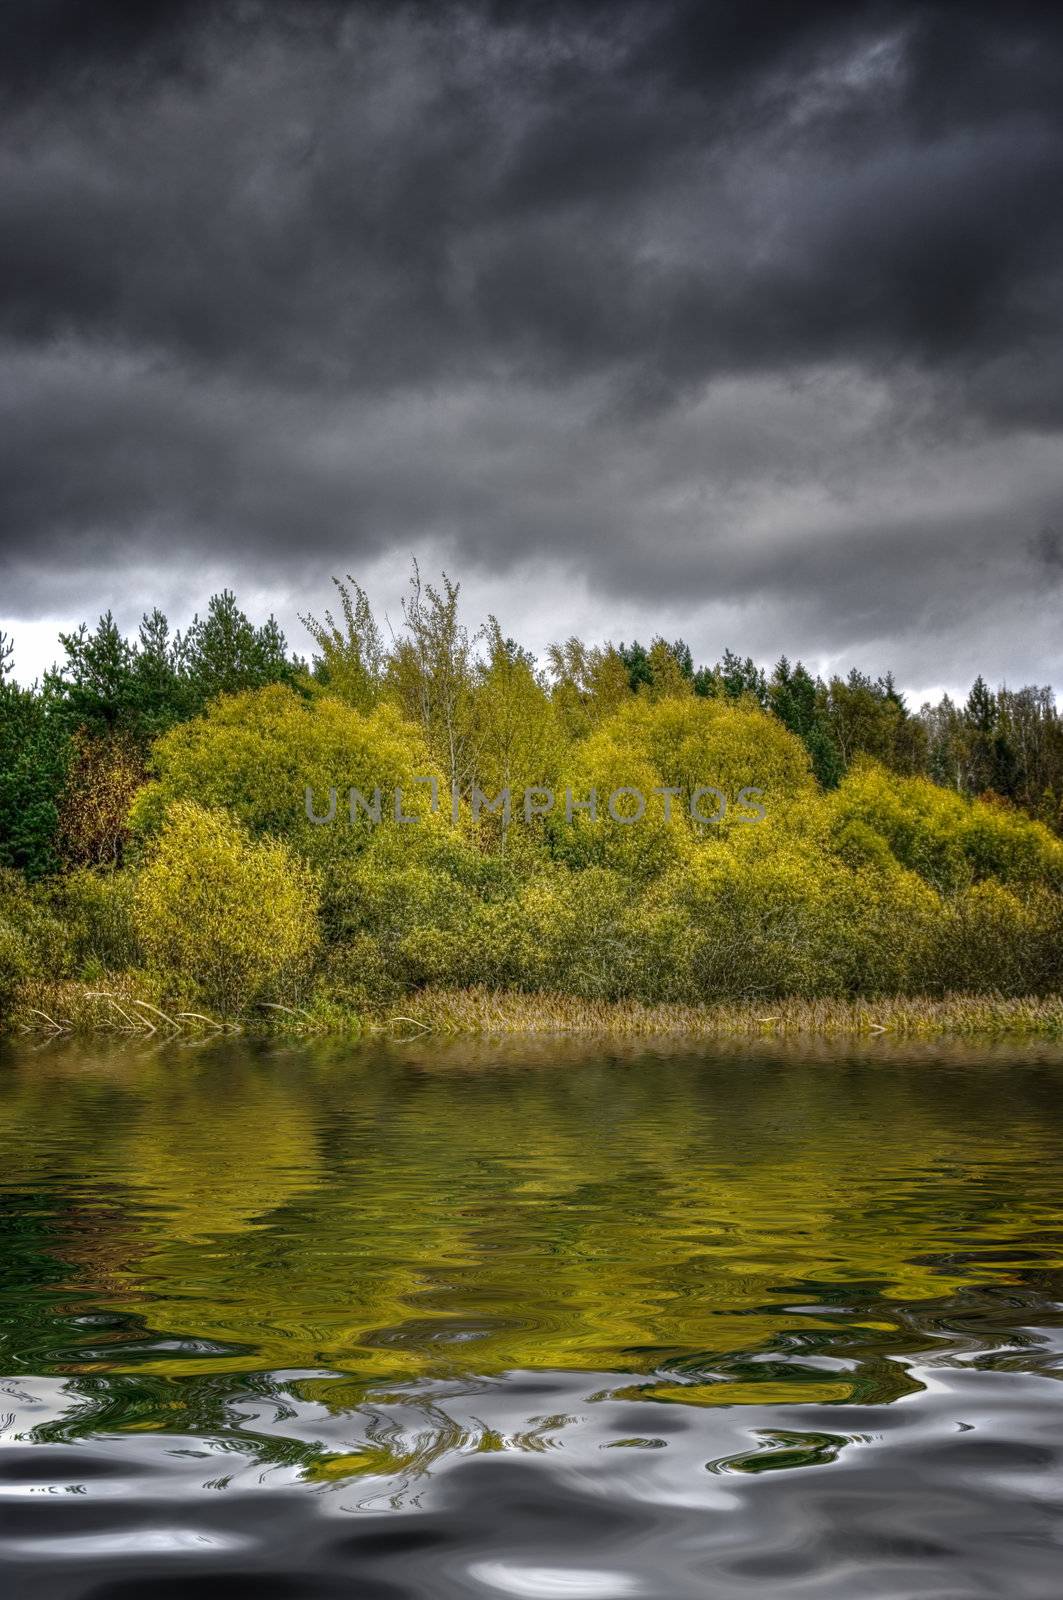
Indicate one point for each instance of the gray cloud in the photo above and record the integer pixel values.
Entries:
(704, 306)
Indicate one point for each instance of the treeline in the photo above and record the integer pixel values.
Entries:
(1007, 742)
(152, 820)
(74, 749)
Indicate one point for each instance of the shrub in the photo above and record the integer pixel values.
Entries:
(750, 917)
(604, 763)
(949, 840)
(408, 910)
(1000, 842)
(101, 782)
(991, 939)
(96, 910)
(40, 935)
(578, 932)
(683, 743)
(694, 741)
(234, 915)
(255, 753)
(882, 925)
(14, 967)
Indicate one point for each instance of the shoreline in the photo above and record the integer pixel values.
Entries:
(120, 1005)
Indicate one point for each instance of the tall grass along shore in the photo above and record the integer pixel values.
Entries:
(51, 1010)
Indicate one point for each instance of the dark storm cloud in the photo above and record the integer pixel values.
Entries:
(66, 42)
(1048, 548)
(343, 278)
(392, 196)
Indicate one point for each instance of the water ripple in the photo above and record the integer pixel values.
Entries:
(660, 1325)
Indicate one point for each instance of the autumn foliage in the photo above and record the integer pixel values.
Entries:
(180, 845)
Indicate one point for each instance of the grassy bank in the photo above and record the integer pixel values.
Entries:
(481, 1011)
(127, 1005)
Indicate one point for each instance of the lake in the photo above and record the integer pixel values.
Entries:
(532, 1318)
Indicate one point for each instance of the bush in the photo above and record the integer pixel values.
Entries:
(255, 753)
(234, 915)
(639, 849)
(685, 744)
(949, 840)
(96, 910)
(882, 926)
(721, 742)
(999, 842)
(14, 967)
(41, 936)
(409, 910)
(749, 918)
(577, 932)
(991, 939)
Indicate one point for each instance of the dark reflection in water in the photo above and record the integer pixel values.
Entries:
(532, 1320)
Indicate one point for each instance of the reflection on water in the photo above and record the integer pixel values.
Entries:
(531, 1320)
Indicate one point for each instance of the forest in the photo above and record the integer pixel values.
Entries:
(155, 845)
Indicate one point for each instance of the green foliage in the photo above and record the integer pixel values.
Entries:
(95, 910)
(732, 745)
(882, 927)
(15, 953)
(37, 942)
(949, 841)
(662, 670)
(733, 679)
(522, 739)
(990, 938)
(350, 662)
(579, 933)
(898, 852)
(869, 718)
(749, 919)
(34, 756)
(411, 909)
(431, 673)
(225, 653)
(232, 915)
(108, 686)
(589, 683)
(14, 967)
(800, 703)
(94, 686)
(606, 762)
(255, 754)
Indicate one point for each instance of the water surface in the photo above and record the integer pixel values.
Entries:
(531, 1320)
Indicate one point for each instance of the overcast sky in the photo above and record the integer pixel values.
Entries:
(739, 321)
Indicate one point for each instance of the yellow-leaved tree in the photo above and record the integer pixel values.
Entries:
(947, 839)
(256, 754)
(729, 744)
(233, 915)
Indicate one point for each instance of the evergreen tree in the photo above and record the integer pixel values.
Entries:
(636, 659)
(738, 677)
(224, 653)
(34, 752)
(94, 686)
(799, 701)
(980, 715)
